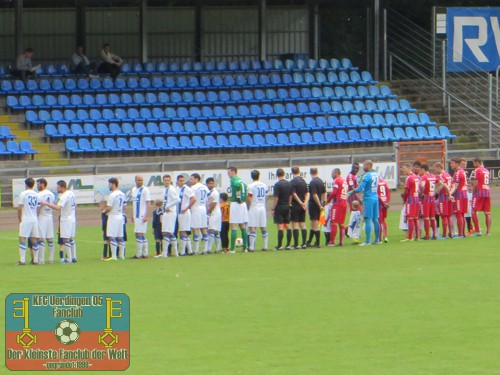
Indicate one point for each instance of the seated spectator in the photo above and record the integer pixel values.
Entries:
(80, 64)
(110, 63)
(24, 68)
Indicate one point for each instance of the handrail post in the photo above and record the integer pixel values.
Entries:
(449, 110)
(443, 59)
(390, 67)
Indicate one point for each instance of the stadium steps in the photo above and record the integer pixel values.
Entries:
(47, 156)
(471, 133)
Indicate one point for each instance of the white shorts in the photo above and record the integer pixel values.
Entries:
(215, 221)
(168, 221)
(114, 229)
(185, 222)
(140, 226)
(257, 217)
(238, 213)
(199, 217)
(46, 227)
(67, 229)
(28, 229)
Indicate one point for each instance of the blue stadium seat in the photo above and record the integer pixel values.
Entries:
(386, 92)
(72, 146)
(98, 145)
(115, 129)
(222, 141)
(331, 138)
(149, 144)
(388, 134)
(366, 135)
(422, 133)
(161, 143)
(235, 141)
(122, 144)
(165, 128)
(377, 135)
(63, 130)
(342, 136)
(400, 134)
(424, 119)
(405, 106)
(250, 126)
(411, 133)
(136, 144)
(445, 132)
(25, 146)
(434, 132)
(85, 146)
(247, 141)
(89, 130)
(354, 136)
(307, 138)
(77, 131)
(103, 130)
(391, 120)
(50, 131)
(403, 119)
(319, 138)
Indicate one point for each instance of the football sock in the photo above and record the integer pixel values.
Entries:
(61, 254)
(34, 246)
(460, 225)
(188, 245)
(434, 228)
(342, 234)
(333, 233)
(121, 248)
(444, 224)
(196, 240)
(368, 230)
(296, 238)
(376, 227)
(244, 237)
(252, 236)
(265, 236)
(468, 220)
(22, 252)
(173, 245)
(488, 222)
(211, 240)
(311, 235)
(411, 228)
(204, 242)
(41, 251)
(73, 248)
(67, 248)
(304, 236)
(288, 237)
(233, 239)
(138, 243)
(317, 234)
(327, 238)
(476, 221)
(427, 227)
(280, 237)
(51, 250)
(157, 247)
(145, 247)
(218, 243)
(165, 242)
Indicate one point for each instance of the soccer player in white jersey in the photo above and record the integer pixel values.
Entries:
(169, 217)
(45, 221)
(214, 216)
(257, 215)
(67, 205)
(27, 213)
(141, 198)
(199, 221)
(114, 228)
(187, 201)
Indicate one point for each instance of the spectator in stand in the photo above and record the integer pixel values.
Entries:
(80, 64)
(110, 63)
(24, 67)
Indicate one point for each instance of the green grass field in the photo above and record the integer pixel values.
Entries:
(414, 308)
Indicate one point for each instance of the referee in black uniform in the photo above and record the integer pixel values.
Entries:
(317, 192)
(281, 208)
(300, 201)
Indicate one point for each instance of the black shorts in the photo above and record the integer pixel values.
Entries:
(282, 215)
(298, 215)
(314, 211)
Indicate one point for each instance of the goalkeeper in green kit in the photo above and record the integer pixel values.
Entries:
(238, 211)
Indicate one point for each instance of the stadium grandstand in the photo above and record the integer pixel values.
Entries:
(225, 77)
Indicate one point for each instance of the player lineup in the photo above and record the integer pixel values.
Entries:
(194, 218)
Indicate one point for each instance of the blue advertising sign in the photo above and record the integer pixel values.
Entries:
(473, 39)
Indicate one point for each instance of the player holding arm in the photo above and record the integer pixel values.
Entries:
(384, 200)
(214, 216)
(459, 195)
(140, 216)
(411, 202)
(199, 220)
(168, 215)
(45, 222)
(428, 185)
(339, 207)
(186, 201)
(67, 205)
(369, 187)
(114, 229)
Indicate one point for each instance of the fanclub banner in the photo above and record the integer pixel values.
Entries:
(67, 332)
(92, 189)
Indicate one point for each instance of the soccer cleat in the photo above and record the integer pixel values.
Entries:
(304, 246)
(122, 258)
(104, 258)
(74, 260)
(231, 252)
(264, 249)
(277, 248)
(457, 237)
(145, 256)
(62, 261)
(20, 264)
(386, 239)
(407, 240)
(355, 241)
(110, 259)
(331, 245)
(477, 234)
(160, 256)
(365, 244)
(136, 257)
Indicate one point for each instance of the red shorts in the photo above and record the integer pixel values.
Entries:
(482, 204)
(337, 216)
(445, 208)
(412, 209)
(429, 209)
(382, 213)
(461, 206)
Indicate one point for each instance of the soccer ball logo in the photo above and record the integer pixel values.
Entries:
(239, 242)
(67, 332)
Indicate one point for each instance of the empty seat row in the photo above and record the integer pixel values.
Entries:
(317, 138)
(217, 112)
(182, 83)
(14, 148)
(128, 129)
(102, 100)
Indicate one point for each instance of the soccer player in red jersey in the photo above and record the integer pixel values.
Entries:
(352, 183)
(445, 206)
(384, 198)
(481, 196)
(459, 195)
(428, 184)
(339, 208)
(411, 200)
